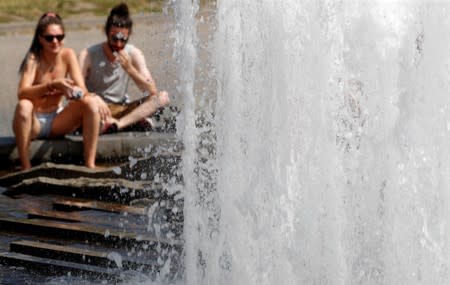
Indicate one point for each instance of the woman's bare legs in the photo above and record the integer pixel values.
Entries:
(25, 127)
(91, 130)
(83, 113)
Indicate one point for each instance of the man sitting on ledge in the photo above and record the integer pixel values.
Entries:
(107, 68)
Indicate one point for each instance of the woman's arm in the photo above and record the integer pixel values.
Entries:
(28, 90)
(49, 87)
(85, 63)
(74, 69)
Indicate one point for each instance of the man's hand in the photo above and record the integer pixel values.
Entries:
(103, 109)
(124, 59)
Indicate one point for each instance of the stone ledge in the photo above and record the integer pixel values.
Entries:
(111, 148)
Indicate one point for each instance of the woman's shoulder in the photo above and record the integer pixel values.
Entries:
(68, 53)
(30, 62)
(31, 58)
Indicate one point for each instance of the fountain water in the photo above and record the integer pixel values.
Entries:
(324, 158)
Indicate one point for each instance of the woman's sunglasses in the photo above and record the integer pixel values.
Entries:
(50, 38)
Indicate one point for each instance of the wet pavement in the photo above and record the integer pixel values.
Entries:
(102, 225)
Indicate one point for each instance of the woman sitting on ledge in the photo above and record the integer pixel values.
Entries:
(43, 84)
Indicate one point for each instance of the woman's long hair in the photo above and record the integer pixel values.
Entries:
(119, 17)
(45, 20)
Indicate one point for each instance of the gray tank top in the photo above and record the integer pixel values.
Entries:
(107, 79)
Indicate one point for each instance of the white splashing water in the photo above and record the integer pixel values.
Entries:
(330, 160)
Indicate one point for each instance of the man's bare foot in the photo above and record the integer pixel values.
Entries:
(109, 126)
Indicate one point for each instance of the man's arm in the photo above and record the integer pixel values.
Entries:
(136, 67)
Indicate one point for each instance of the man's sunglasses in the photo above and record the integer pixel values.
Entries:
(119, 37)
(50, 38)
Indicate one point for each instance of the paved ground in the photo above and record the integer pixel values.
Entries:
(152, 33)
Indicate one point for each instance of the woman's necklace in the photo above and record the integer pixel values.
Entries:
(46, 67)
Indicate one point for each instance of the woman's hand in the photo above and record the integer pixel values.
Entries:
(61, 86)
(66, 87)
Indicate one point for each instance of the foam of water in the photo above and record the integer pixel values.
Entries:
(330, 161)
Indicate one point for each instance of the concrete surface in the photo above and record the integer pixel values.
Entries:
(111, 148)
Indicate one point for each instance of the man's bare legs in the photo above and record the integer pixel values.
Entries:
(144, 110)
(25, 127)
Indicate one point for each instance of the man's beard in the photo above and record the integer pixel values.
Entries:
(112, 48)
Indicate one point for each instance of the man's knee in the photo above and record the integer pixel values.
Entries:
(163, 99)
